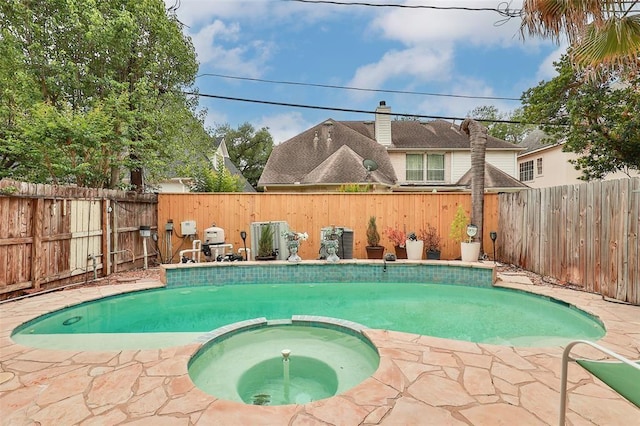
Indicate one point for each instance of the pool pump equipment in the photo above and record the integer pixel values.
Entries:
(213, 236)
(214, 246)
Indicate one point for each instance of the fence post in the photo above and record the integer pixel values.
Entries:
(106, 237)
(36, 244)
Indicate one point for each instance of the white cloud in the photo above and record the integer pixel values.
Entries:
(194, 13)
(456, 106)
(419, 63)
(546, 70)
(247, 59)
(420, 26)
(283, 126)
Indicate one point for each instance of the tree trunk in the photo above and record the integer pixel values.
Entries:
(478, 141)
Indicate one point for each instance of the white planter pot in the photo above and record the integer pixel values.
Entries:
(470, 252)
(414, 249)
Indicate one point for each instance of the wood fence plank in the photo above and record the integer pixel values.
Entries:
(623, 241)
(36, 232)
(634, 243)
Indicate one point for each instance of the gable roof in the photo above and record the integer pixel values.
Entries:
(493, 178)
(437, 134)
(536, 140)
(330, 152)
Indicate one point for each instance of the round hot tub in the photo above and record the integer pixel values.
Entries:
(284, 362)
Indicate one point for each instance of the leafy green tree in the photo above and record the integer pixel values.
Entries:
(97, 83)
(217, 180)
(487, 115)
(598, 120)
(248, 149)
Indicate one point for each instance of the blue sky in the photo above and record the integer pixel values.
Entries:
(420, 50)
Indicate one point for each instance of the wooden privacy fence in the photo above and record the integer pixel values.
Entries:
(586, 235)
(53, 235)
(310, 212)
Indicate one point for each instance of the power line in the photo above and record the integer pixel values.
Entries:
(357, 111)
(502, 9)
(362, 89)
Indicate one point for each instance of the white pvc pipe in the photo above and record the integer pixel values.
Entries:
(144, 251)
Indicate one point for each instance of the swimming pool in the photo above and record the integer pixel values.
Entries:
(176, 316)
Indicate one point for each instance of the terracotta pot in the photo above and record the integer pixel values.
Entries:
(375, 252)
(401, 252)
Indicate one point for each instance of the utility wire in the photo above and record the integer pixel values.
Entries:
(502, 9)
(358, 111)
(362, 89)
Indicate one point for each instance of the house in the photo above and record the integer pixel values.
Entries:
(183, 184)
(542, 164)
(409, 155)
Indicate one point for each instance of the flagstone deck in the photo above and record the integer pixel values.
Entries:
(421, 380)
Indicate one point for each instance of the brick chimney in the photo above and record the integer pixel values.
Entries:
(383, 124)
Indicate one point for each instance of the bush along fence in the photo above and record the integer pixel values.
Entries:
(585, 235)
(51, 236)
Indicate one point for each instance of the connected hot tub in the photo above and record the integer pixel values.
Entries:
(283, 362)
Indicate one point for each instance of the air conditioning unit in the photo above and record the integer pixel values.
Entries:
(279, 241)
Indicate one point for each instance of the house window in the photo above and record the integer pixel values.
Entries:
(435, 167)
(526, 171)
(415, 167)
(539, 166)
(420, 165)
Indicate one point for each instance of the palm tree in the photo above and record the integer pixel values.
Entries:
(478, 140)
(603, 34)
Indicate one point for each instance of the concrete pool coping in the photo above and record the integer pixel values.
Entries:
(420, 380)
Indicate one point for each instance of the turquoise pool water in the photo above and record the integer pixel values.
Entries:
(164, 317)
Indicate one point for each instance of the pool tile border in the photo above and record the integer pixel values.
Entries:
(476, 274)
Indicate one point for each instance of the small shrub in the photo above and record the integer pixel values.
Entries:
(396, 236)
(458, 230)
(431, 238)
(373, 237)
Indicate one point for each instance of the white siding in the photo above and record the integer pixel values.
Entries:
(398, 161)
(503, 160)
(460, 164)
(556, 169)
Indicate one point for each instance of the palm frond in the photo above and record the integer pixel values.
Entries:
(614, 44)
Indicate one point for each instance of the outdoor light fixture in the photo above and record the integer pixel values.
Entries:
(145, 231)
(243, 235)
(493, 235)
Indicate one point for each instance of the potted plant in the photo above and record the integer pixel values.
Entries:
(470, 250)
(265, 243)
(415, 246)
(432, 242)
(374, 249)
(399, 240)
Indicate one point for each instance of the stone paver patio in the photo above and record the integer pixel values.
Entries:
(421, 380)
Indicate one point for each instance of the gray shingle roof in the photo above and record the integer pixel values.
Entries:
(334, 156)
(535, 140)
(493, 178)
(437, 134)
